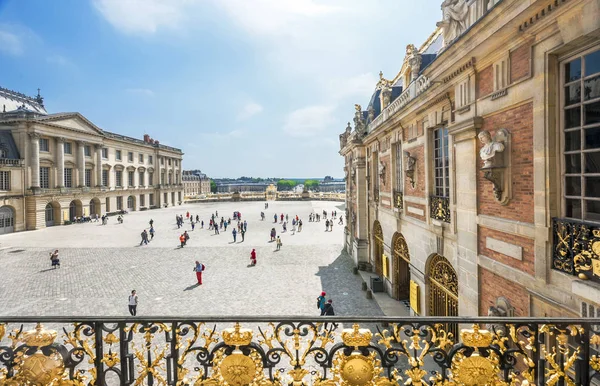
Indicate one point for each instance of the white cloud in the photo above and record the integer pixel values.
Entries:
(250, 110)
(140, 91)
(359, 86)
(142, 16)
(309, 121)
(10, 43)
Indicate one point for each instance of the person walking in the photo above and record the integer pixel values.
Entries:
(197, 218)
(321, 302)
(328, 311)
(151, 233)
(331, 226)
(341, 222)
(286, 218)
(284, 226)
(193, 224)
(54, 259)
(151, 222)
(202, 224)
(133, 303)
(144, 238)
(278, 243)
(282, 217)
(253, 257)
(225, 225)
(273, 234)
(243, 232)
(326, 225)
(216, 228)
(199, 268)
(299, 225)
(245, 225)
(187, 237)
(234, 233)
(275, 218)
(182, 240)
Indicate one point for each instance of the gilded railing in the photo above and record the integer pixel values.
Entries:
(576, 248)
(439, 208)
(297, 352)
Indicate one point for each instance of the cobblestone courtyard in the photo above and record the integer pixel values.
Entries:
(100, 265)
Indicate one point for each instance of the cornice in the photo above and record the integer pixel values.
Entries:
(465, 130)
(459, 70)
(542, 13)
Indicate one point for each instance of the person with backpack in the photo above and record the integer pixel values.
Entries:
(151, 232)
(54, 259)
(278, 243)
(144, 238)
(133, 303)
(182, 240)
(328, 311)
(321, 302)
(199, 268)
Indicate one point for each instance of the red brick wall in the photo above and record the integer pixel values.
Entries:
(520, 62)
(485, 81)
(418, 153)
(414, 215)
(527, 264)
(519, 122)
(492, 286)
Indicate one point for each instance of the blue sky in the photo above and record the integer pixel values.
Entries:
(244, 87)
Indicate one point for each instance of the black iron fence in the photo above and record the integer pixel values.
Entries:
(298, 351)
(576, 248)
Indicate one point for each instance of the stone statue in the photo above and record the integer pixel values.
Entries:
(454, 20)
(371, 114)
(359, 123)
(345, 136)
(491, 147)
(382, 172)
(410, 168)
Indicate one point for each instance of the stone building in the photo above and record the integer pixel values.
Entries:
(473, 175)
(57, 167)
(195, 183)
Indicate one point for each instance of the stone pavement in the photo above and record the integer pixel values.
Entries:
(100, 265)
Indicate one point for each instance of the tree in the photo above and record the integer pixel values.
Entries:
(311, 184)
(213, 186)
(285, 184)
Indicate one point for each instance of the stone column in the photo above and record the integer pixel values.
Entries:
(136, 178)
(98, 148)
(361, 240)
(81, 162)
(60, 162)
(35, 160)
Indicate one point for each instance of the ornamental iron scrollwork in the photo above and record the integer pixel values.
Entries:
(576, 248)
(301, 352)
(439, 208)
(398, 200)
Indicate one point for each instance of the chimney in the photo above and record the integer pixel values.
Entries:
(146, 138)
(156, 142)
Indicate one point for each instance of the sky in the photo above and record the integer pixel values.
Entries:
(256, 88)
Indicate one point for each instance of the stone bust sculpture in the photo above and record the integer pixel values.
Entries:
(491, 146)
(410, 162)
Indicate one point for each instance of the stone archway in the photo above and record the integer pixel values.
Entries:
(7, 219)
(75, 209)
(401, 278)
(130, 203)
(52, 213)
(443, 289)
(378, 248)
(95, 206)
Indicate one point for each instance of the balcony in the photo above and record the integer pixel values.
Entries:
(11, 162)
(439, 208)
(576, 247)
(299, 352)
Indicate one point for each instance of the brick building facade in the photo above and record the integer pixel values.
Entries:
(473, 175)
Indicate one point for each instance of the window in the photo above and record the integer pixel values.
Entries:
(104, 177)
(68, 147)
(130, 156)
(130, 178)
(142, 200)
(118, 155)
(141, 158)
(162, 160)
(141, 179)
(440, 163)
(162, 178)
(150, 179)
(119, 177)
(179, 196)
(68, 178)
(170, 178)
(176, 163)
(398, 155)
(150, 158)
(87, 151)
(119, 203)
(151, 199)
(169, 161)
(104, 153)
(166, 198)
(581, 141)
(88, 177)
(45, 177)
(130, 203)
(4, 180)
(44, 144)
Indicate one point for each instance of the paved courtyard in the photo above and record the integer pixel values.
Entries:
(100, 265)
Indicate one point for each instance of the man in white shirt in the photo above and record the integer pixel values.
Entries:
(133, 302)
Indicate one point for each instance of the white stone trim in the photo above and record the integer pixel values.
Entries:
(508, 249)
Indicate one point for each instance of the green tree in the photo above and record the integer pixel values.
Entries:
(311, 184)
(285, 184)
(213, 186)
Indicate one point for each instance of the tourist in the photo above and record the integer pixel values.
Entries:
(225, 225)
(299, 225)
(321, 302)
(245, 225)
(199, 268)
(278, 243)
(253, 257)
(144, 238)
(54, 259)
(216, 227)
(187, 237)
(284, 226)
(328, 311)
(133, 303)
(326, 225)
(151, 233)
(282, 217)
(193, 225)
(202, 224)
(182, 240)
(234, 233)
(341, 222)
(286, 218)
(331, 225)
(273, 234)
(275, 218)
(243, 232)
(197, 218)
(293, 227)
(151, 222)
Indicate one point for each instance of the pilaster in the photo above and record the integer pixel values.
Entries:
(81, 163)
(98, 149)
(35, 160)
(60, 162)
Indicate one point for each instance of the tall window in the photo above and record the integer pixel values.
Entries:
(169, 161)
(68, 148)
(104, 177)
(150, 179)
(130, 202)
(104, 153)
(4, 180)
(162, 178)
(119, 177)
(440, 162)
(130, 156)
(141, 158)
(88, 177)
(44, 177)
(119, 202)
(150, 159)
(141, 178)
(142, 200)
(398, 155)
(44, 144)
(68, 178)
(118, 155)
(151, 199)
(581, 117)
(87, 151)
(162, 160)
(130, 178)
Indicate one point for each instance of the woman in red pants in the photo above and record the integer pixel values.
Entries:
(199, 268)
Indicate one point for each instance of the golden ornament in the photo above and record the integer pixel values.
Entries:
(237, 370)
(357, 370)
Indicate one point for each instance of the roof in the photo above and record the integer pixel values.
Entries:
(7, 143)
(11, 101)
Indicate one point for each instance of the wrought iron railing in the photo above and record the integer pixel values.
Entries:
(264, 351)
(576, 248)
(439, 208)
(398, 200)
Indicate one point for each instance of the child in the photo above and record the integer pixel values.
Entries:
(278, 243)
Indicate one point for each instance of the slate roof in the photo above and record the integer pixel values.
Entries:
(7, 143)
